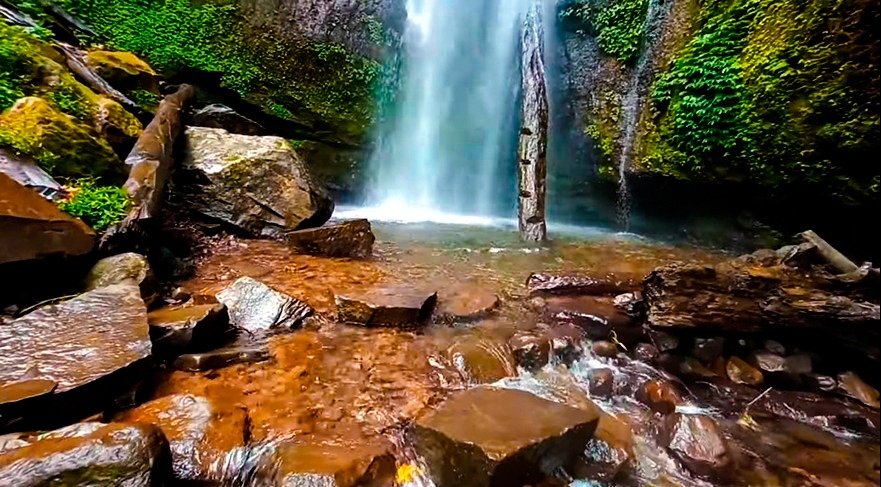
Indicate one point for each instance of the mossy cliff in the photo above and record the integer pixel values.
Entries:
(779, 94)
(322, 74)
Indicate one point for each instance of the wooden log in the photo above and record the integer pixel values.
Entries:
(532, 153)
(77, 64)
(836, 259)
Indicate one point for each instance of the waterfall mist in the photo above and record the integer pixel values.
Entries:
(450, 146)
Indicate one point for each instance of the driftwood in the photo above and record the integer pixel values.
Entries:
(77, 64)
(835, 258)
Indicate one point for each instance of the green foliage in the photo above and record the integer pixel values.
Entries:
(145, 98)
(15, 52)
(376, 30)
(312, 82)
(69, 100)
(99, 206)
(296, 144)
(618, 24)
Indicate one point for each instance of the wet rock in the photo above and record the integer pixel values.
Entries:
(481, 360)
(741, 372)
(531, 350)
(219, 116)
(604, 348)
(95, 346)
(16, 398)
(665, 342)
(543, 284)
(256, 307)
(821, 383)
(200, 431)
(707, 350)
(257, 184)
(660, 396)
(95, 454)
(368, 464)
(697, 442)
(853, 386)
(601, 383)
(218, 359)
(565, 342)
(123, 70)
(646, 352)
(775, 347)
(350, 239)
(27, 173)
(127, 268)
(179, 329)
(630, 303)
(468, 302)
(598, 316)
(486, 436)
(33, 228)
(768, 362)
(692, 368)
(608, 452)
(388, 306)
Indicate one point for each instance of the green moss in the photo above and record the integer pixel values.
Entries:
(317, 84)
(618, 24)
(99, 206)
(145, 98)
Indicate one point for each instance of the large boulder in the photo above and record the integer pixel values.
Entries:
(257, 184)
(93, 454)
(96, 347)
(399, 306)
(126, 268)
(256, 307)
(487, 436)
(352, 239)
(200, 431)
(33, 228)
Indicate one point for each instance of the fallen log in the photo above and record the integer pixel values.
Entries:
(151, 160)
(835, 258)
(77, 64)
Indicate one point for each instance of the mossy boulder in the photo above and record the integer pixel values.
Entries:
(58, 142)
(127, 73)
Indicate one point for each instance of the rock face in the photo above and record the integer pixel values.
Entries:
(179, 329)
(255, 306)
(257, 184)
(487, 436)
(389, 306)
(33, 228)
(95, 346)
(198, 430)
(533, 146)
(352, 239)
(95, 454)
(223, 117)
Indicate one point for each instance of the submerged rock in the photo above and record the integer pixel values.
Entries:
(481, 360)
(218, 359)
(94, 454)
(180, 329)
(33, 228)
(598, 316)
(95, 346)
(707, 350)
(127, 268)
(223, 117)
(487, 436)
(467, 302)
(335, 465)
(697, 442)
(601, 382)
(603, 348)
(200, 431)
(531, 350)
(254, 306)
(543, 284)
(352, 239)
(660, 396)
(646, 352)
(388, 306)
(257, 184)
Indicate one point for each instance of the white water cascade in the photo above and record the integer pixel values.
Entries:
(450, 147)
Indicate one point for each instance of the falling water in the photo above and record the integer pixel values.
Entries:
(451, 146)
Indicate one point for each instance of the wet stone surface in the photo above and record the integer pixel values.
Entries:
(256, 307)
(395, 306)
(179, 329)
(351, 239)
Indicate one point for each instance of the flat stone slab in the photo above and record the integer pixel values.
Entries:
(349, 239)
(94, 346)
(334, 465)
(96, 454)
(180, 329)
(467, 302)
(489, 436)
(394, 306)
(256, 307)
(199, 431)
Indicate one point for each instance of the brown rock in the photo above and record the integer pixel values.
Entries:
(467, 302)
(768, 362)
(646, 352)
(543, 284)
(601, 383)
(18, 397)
(127, 268)
(135, 455)
(180, 329)
(565, 341)
(531, 350)
(691, 367)
(257, 307)
(631, 303)
(606, 349)
(199, 430)
(608, 452)
(350, 239)
(851, 385)
(388, 306)
(741, 372)
(697, 441)
(33, 228)
(660, 396)
(481, 360)
(598, 316)
(486, 436)
(368, 464)
(95, 346)
(218, 359)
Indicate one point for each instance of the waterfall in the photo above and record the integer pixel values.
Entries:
(450, 146)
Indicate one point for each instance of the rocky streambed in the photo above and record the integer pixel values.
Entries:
(453, 357)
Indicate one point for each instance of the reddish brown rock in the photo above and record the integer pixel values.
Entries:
(608, 452)
(531, 350)
(692, 368)
(135, 455)
(598, 316)
(481, 360)
(368, 464)
(543, 284)
(851, 385)
(200, 431)
(697, 442)
(601, 383)
(16, 398)
(217, 359)
(33, 228)
(395, 306)
(604, 348)
(467, 302)
(741, 372)
(487, 436)
(348, 239)
(660, 396)
(180, 329)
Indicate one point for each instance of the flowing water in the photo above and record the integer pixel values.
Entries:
(451, 146)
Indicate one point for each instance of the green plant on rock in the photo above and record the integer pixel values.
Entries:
(99, 206)
(618, 24)
(145, 98)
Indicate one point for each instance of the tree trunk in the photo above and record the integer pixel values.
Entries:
(835, 258)
(533, 131)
